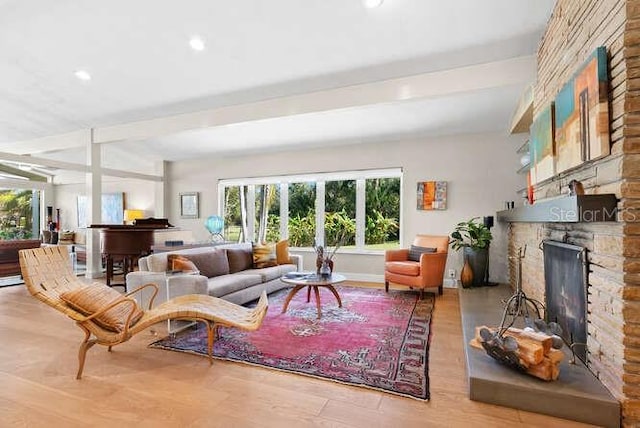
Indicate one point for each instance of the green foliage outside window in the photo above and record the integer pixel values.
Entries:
(302, 230)
(16, 219)
(382, 215)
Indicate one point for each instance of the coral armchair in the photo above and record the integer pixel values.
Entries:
(428, 272)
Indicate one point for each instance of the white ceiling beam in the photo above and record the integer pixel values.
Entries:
(427, 85)
(128, 174)
(17, 172)
(51, 143)
(51, 163)
(8, 183)
(31, 160)
(420, 86)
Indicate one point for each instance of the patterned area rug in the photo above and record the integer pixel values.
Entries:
(375, 340)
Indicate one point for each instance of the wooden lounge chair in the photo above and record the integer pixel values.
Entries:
(48, 276)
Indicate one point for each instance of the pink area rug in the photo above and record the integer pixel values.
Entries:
(375, 340)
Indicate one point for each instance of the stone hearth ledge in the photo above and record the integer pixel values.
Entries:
(577, 394)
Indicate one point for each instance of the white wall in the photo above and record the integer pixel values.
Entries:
(480, 170)
(138, 194)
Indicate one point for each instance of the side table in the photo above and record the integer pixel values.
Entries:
(312, 281)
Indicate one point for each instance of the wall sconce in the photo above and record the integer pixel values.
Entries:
(132, 215)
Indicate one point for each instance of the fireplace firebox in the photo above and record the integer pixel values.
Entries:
(565, 274)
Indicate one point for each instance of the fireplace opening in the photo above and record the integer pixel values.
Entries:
(565, 277)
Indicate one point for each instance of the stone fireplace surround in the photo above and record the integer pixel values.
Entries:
(575, 29)
(579, 393)
(605, 331)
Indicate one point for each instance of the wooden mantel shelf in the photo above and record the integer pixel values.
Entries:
(565, 209)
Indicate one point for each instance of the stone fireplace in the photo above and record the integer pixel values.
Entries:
(574, 30)
(604, 305)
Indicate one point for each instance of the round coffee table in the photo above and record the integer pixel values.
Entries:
(312, 281)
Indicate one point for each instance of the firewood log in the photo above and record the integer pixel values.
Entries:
(542, 338)
(531, 351)
(475, 343)
(546, 370)
(534, 351)
(555, 355)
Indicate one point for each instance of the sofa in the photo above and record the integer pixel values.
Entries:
(226, 271)
(9, 262)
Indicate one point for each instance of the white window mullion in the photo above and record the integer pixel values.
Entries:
(401, 217)
(222, 209)
(284, 211)
(251, 213)
(320, 213)
(360, 212)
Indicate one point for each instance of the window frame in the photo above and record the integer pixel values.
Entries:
(359, 176)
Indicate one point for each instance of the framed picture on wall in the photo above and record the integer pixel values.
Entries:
(189, 205)
(112, 209)
(432, 195)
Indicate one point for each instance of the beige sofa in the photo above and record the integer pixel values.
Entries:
(238, 283)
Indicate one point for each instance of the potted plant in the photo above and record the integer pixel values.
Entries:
(474, 238)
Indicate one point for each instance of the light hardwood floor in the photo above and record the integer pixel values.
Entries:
(143, 387)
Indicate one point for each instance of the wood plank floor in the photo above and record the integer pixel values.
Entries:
(144, 387)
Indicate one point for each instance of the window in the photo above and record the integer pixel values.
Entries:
(361, 208)
(19, 211)
(267, 213)
(302, 214)
(232, 214)
(340, 213)
(382, 228)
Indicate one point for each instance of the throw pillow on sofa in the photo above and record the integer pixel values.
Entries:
(210, 263)
(264, 255)
(179, 262)
(239, 259)
(282, 252)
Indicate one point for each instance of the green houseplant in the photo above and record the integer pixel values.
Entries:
(474, 238)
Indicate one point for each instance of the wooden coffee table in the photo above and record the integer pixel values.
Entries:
(312, 281)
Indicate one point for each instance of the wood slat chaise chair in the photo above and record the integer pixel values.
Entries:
(48, 276)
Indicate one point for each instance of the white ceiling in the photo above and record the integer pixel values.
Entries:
(142, 68)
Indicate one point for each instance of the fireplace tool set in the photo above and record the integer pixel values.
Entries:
(503, 347)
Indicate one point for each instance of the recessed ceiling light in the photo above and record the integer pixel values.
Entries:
(82, 75)
(370, 4)
(196, 43)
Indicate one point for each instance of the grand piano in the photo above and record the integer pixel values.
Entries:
(124, 244)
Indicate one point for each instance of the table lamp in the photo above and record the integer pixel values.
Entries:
(132, 215)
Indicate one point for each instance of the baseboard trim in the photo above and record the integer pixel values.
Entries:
(364, 277)
(94, 275)
(450, 283)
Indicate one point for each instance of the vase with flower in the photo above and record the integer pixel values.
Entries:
(324, 257)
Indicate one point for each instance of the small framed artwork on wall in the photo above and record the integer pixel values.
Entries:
(189, 205)
(432, 195)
